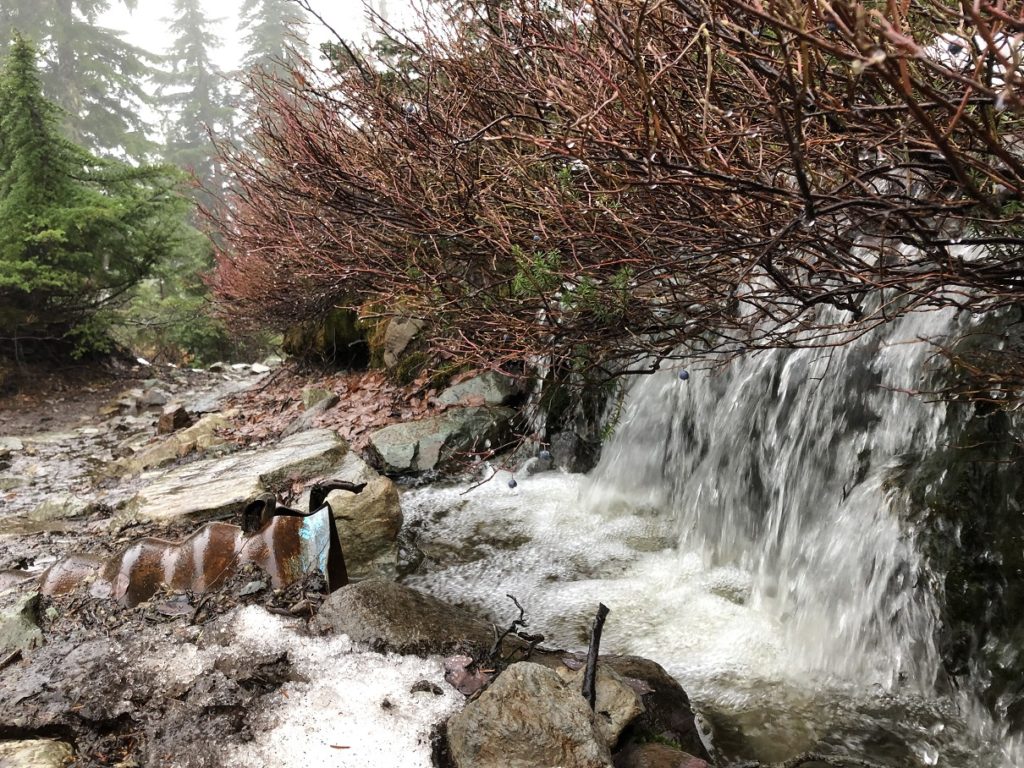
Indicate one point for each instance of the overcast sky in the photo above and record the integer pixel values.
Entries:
(145, 26)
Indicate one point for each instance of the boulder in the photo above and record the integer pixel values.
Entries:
(438, 442)
(392, 617)
(173, 418)
(617, 704)
(572, 453)
(19, 624)
(667, 712)
(527, 718)
(655, 755)
(213, 487)
(488, 388)
(35, 753)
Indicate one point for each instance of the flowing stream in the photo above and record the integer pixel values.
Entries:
(744, 528)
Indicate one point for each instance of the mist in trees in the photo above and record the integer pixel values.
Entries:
(90, 71)
(112, 246)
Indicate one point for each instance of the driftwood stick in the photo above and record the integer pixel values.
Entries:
(590, 676)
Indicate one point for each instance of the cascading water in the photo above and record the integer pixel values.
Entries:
(745, 530)
(778, 465)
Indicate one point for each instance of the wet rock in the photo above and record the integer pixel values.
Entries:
(211, 487)
(425, 686)
(438, 442)
(527, 718)
(572, 453)
(312, 413)
(218, 367)
(37, 753)
(153, 398)
(392, 617)
(654, 755)
(488, 388)
(241, 367)
(173, 418)
(667, 712)
(59, 507)
(618, 704)
(19, 624)
(259, 368)
(398, 335)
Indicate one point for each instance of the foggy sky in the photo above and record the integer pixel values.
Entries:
(146, 28)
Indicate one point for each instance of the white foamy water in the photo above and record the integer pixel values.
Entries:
(742, 529)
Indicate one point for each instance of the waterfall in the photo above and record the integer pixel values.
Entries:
(778, 463)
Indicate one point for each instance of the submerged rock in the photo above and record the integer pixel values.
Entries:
(438, 442)
(527, 718)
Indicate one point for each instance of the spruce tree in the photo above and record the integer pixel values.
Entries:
(194, 95)
(275, 30)
(76, 231)
(88, 70)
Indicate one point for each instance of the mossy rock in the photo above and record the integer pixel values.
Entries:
(339, 338)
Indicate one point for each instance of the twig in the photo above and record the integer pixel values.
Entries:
(590, 676)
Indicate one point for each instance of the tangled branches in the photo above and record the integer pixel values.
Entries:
(608, 183)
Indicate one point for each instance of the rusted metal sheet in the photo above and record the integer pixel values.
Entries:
(285, 543)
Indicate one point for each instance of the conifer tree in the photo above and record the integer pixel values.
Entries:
(194, 94)
(76, 231)
(275, 30)
(88, 70)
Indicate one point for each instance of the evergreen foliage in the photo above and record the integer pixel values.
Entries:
(274, 35)
(76, 231)
(88, 70)
(194, 93)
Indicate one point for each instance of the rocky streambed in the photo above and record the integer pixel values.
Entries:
(461, 639)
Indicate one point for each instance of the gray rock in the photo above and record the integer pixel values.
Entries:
(488, 388)
(438, 442)
(273, 361)
(241, 367)
(307, 419)
(59, 507)
(153, 398)
(259, 368)
(19, 624)
(398, 336)
(617, 703)
(212, 487)
(218, 367)
(527, 718)
(35, 753)
(535, 465)
(392, 617)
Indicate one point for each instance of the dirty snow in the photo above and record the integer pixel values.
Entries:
(356, 710)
